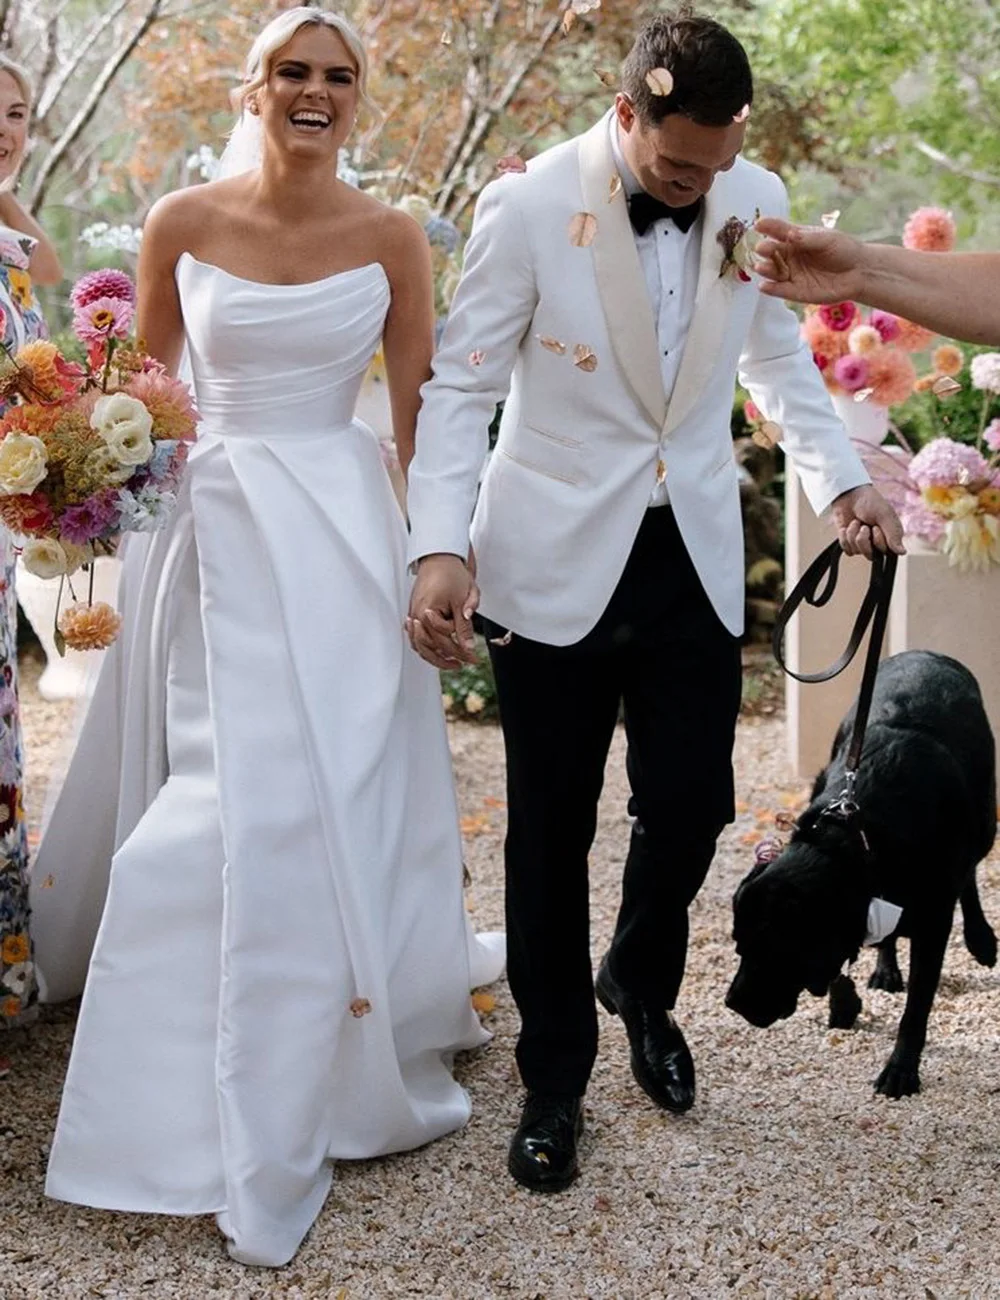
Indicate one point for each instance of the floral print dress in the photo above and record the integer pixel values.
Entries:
(21, 323)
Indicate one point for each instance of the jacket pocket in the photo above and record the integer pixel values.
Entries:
(562, 439)
(536, 468)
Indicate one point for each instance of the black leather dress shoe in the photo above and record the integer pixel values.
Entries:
(661, 1062)
(543, 1149)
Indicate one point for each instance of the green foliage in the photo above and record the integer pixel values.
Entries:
(472, 683)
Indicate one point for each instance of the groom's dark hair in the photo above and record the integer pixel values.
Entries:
(710, 68)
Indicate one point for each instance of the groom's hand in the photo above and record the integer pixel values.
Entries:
(444, 598)
(865, 521)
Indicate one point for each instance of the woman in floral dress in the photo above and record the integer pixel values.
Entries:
(26, 255)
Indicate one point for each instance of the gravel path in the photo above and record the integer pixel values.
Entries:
(789, 1180)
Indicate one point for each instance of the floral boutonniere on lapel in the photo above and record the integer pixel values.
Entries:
(736, 240)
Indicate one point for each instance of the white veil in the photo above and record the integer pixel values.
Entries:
(244, 150)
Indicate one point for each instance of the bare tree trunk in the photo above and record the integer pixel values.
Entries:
(81, 119)
(485, 120)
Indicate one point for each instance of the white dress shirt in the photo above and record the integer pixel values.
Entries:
(669, 257)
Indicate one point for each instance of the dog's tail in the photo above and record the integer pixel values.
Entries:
(979, 936)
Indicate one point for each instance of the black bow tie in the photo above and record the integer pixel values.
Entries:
(643, 210)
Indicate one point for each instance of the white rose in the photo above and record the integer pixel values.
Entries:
(23, 463)
(126, 426)
(45, 558)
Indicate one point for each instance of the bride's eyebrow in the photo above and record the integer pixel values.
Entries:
(304, 67)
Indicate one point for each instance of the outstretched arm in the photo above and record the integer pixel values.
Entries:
(45, 267)
(955, 294)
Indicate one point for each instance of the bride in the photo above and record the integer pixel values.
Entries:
(282, 966)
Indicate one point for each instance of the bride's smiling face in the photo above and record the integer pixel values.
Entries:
(308, 103)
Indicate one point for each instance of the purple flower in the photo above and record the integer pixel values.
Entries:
(851, 373)
(945, 463)
(81, 524)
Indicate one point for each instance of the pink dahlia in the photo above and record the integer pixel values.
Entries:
(945, 463)
(886, 323)
(168, 401)
(851, 373)
(919, 520)
(931, 230)
(104, 318)
(839, 315)
(102, 284)
(991, 435)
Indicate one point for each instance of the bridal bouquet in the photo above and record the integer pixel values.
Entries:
(89, 451)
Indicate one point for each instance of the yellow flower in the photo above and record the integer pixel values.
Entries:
(989, 500)
(948, 360)
(447, 701)
(23, 463)
(16, 947)
(474, 702)
(10, 1007)
(90, 627)
(944, 500)
(20, 288)
(972, 542)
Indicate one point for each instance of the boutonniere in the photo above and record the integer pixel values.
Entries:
(736, 238)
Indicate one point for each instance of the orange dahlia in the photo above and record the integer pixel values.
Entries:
(891, 376)
(31, 417)
(948, 359)
(47, 376)
(914, 338)
(90, 627)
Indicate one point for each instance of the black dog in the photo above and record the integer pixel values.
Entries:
(928, 816)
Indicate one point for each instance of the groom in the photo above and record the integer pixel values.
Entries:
(598, 299)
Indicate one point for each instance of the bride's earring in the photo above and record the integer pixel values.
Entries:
(254, 107)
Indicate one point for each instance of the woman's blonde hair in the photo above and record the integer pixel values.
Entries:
(280, 31)
(20, 76)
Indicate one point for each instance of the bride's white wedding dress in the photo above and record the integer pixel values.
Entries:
(282, 967)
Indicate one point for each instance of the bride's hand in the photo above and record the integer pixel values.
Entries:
(444, 599)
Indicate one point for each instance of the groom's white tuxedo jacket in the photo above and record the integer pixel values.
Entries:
(577, 456)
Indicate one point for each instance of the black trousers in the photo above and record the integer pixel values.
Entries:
(660, 650)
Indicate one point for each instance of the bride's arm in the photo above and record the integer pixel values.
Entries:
(159, 319)
(408, 341)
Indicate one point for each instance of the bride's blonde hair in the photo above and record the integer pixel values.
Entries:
(280, 31)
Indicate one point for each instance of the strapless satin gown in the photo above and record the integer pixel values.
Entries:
(282, 967)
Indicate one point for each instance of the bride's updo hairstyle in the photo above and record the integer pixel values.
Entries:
(280, 31)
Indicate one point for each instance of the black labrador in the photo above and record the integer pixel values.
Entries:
(926, 791)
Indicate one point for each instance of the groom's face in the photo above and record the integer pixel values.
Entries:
(677, 160)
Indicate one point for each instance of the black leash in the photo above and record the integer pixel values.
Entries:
(815, 588)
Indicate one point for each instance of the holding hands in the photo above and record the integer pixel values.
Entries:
(444, 598)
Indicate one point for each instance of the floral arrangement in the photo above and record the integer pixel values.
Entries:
(950, 495)
(870, 358)
(89, 451)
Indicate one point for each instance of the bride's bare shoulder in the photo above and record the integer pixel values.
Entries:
(182, 213)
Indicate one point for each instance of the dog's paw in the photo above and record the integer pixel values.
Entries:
(887, 978)
(845, 1005)
(900, 1078)
(982, 944)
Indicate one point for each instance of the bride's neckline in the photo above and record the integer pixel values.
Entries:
(267, 284)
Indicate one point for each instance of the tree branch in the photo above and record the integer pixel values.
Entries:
(80, 121)
(957, 168)
(51, 91)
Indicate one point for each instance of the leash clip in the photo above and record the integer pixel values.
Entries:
(845, 806)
